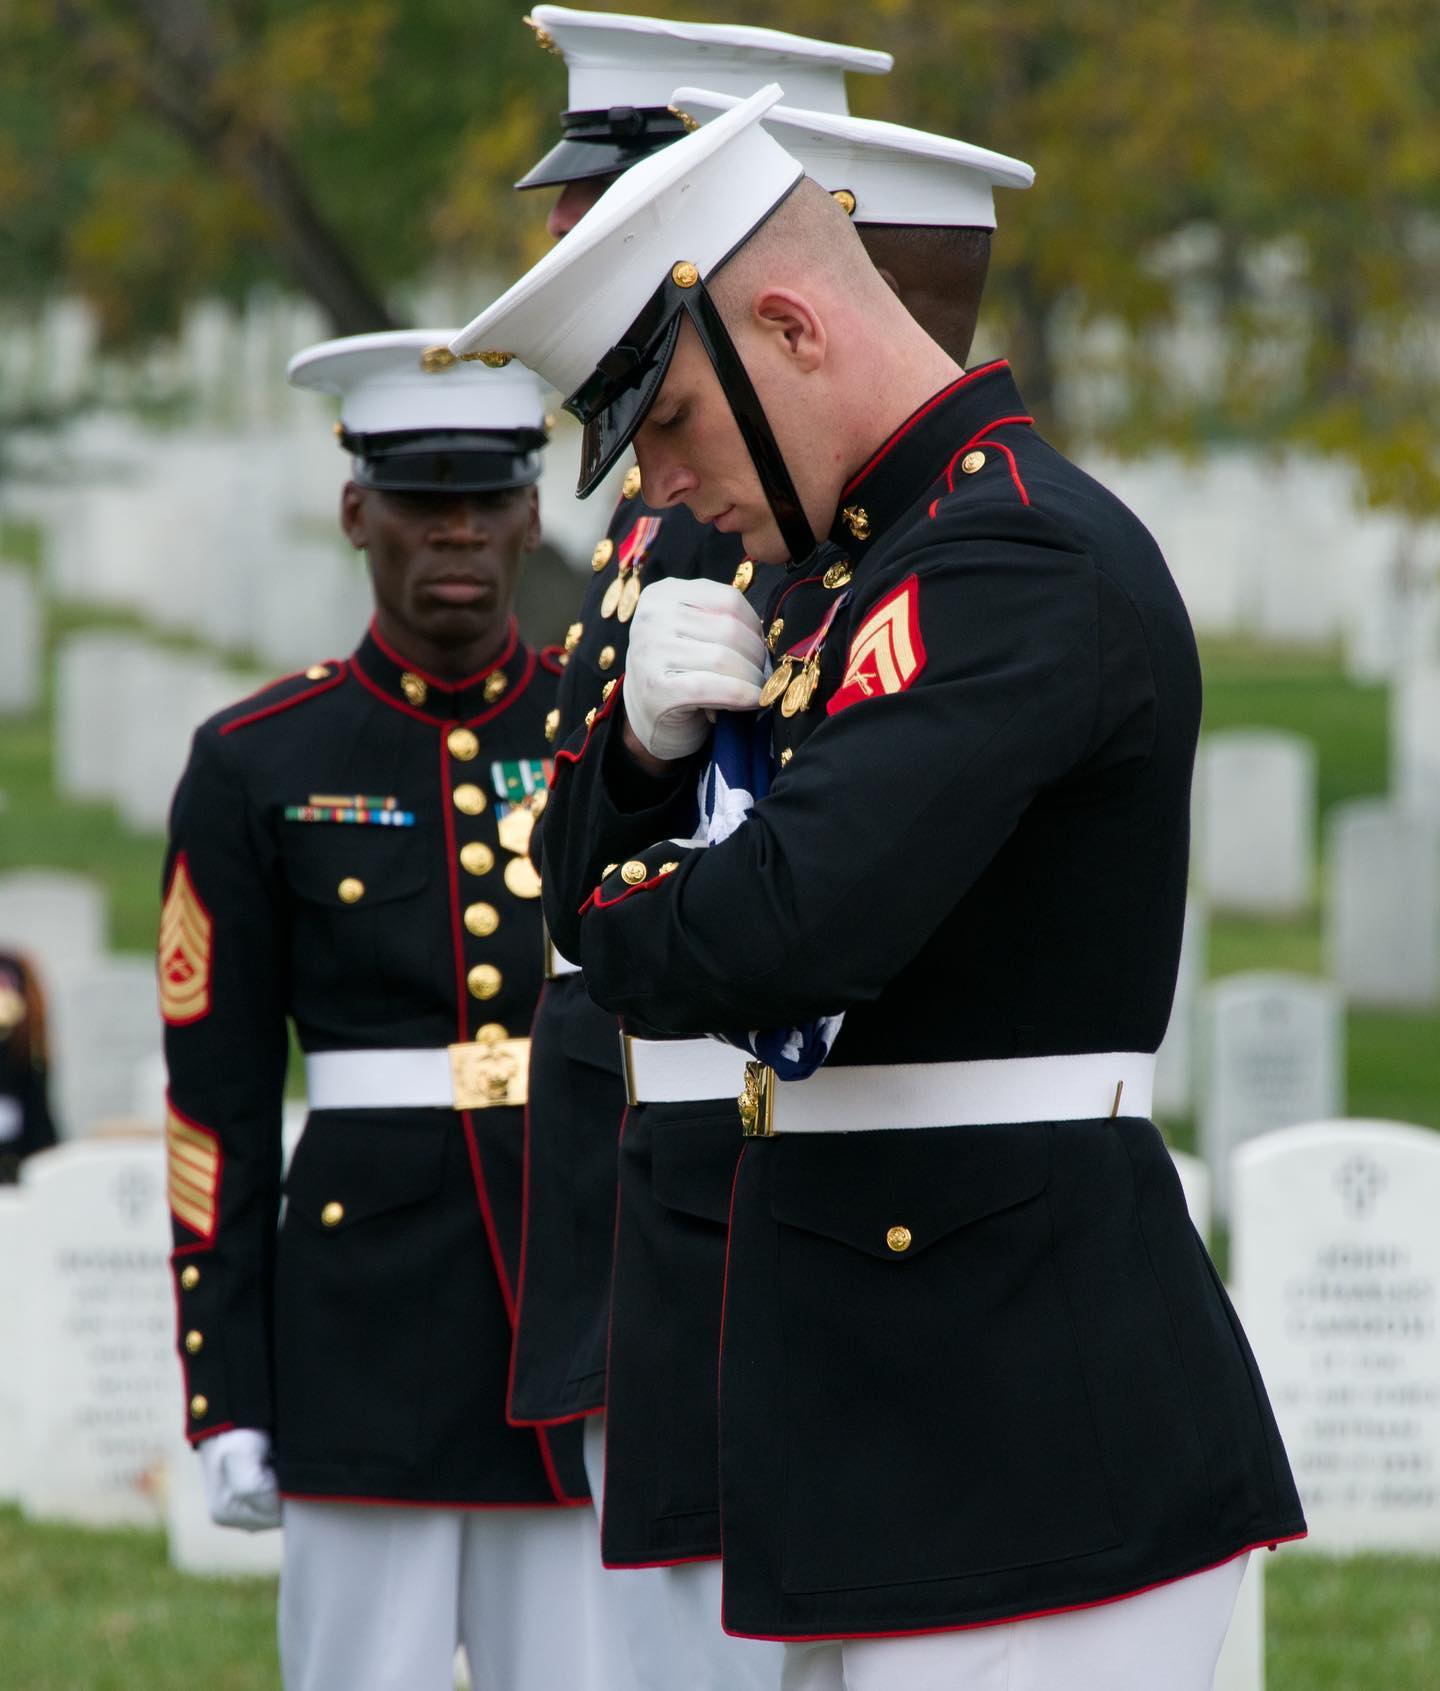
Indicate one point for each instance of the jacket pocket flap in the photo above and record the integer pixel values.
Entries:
(349, 1168)
(894, 1194)
(356, 867)
(693, 1160)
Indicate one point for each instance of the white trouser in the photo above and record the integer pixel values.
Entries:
(374, 1598)
(1168, 1638)
(671, 1616)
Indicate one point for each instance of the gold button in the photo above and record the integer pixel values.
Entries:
(972, 461)
(483, 980)
(476, 858)
(194, 1341)
(633, 872)
(744, 575)
(590, 717)
(602, 554)
(469, 799)
(522, 878)
(351, 890)
(839, 573)
(190, 1278)
(607, 656)
(495, 685)
(631, 485)
(463, 744)
(667, 868)
(332, 1215)
(607, 690)
(199, 1407)
(572, 635)
(481, 919)
(414, 688)
(786, 755)
(318, 672)
(684, 274)
(552, 724)
(489, 1033)
(898, 1238)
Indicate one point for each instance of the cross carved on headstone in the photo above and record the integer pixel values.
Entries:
(1359, 1180)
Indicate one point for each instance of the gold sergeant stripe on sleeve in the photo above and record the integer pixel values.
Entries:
(192, 1158)
(185, 951)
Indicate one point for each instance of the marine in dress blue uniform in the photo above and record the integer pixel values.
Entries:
(977, 1367)
(348, 854)
(26, 1125)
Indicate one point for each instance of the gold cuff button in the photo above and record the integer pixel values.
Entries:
(744, 575)
(189, 1278)
(631, 485)
(602, 554)
(351, 890)
(972, 461)
(483, 980)
(199, 1406)
(332, 1215)
(476, 858)
(469, 799)
(607, 657)
(194, 1341)
(481, 919)
(414, 688)
(898, 1238)
(463, 744)
(552, 724)
(633, 872)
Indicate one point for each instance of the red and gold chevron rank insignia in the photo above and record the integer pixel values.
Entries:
(192, 1163)
(185, 951)
(886, 652)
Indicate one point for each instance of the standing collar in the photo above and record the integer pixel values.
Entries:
(899, 471)
(433, 698)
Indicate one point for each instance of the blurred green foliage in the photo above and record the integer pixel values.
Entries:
(1269, 164)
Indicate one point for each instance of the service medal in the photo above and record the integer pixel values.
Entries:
(776, 683)
(629, 596)
(612, 596)
(515, 828)
(801, 690)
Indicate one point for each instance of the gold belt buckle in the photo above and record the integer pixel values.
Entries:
(757, 1101)
(486, 1074)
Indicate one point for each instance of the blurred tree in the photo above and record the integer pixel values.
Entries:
(1235, 228)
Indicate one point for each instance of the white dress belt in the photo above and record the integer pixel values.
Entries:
(851, 1098)
(478, 1075)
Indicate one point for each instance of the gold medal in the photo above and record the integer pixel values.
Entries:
(612, 596)
(522, 878)
(515, 828)
(801, 690)
(776, 683)
(629, 596)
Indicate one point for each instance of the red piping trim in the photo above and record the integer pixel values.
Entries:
(511, 641)
(550, 657)
(916, 417)
(401, 705)
(610, 903)
(600, 715)
(189, 1250)
(451, 859)
(285, 704)
(509, 696)
(1009, 1620)
(671, 1562)
(553, 1474)
(416, 1503)
(550, 1421)
(193, 1439)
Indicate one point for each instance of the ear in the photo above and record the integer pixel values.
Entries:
(352, 515)
(532, 521)
(794, 321)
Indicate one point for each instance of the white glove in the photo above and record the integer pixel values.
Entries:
(240, 1488)
(695, 647)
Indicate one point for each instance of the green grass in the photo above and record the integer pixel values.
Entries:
(104, 1611)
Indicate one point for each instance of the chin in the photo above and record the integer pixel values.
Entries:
(765, 546)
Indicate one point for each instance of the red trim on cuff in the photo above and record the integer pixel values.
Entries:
(600, 715)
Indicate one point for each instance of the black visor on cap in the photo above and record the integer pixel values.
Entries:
(446, 461)
(603, 143)
(613, 401)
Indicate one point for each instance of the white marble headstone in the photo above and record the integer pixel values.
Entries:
(1254, 847)
(13, 1271)
(90, 668)
(1415, 737)
(1382, 905)
(1273, 1054)
(1337, 1265)
(20, 642)
(57, 919)
(100, 1378)
(106, 1020)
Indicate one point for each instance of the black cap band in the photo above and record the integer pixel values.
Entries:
(446, 461)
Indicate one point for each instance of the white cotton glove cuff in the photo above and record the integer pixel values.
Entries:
(240, 1488)
(695, 647)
